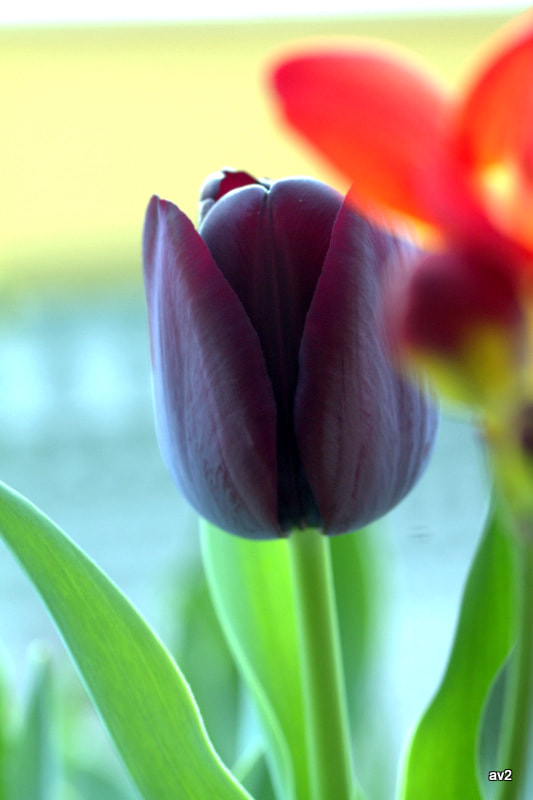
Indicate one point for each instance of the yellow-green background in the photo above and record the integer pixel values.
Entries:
(95, 120)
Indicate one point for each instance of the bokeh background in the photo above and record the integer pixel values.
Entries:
(95, 120)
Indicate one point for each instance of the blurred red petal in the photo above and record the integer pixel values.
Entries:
(380, 120)
(495, 122)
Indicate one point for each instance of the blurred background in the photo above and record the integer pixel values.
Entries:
(100, 112)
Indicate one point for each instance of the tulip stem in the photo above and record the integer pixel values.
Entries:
(517, 728)
(328, 743)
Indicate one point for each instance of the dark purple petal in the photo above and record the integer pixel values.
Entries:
(270, 246)
(364, 434)
(218, 184)
(214, 404)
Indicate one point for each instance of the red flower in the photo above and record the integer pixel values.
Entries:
(460, 167)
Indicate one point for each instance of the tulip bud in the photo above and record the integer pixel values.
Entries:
(276, 405)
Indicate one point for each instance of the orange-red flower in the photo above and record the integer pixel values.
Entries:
(460, 167)
(411, 146)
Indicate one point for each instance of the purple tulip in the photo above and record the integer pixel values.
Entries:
(276, 405)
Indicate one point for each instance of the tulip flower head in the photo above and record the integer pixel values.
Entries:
(276, 404)
(461, 168)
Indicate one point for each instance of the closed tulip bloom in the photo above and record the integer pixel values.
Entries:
(276, 404)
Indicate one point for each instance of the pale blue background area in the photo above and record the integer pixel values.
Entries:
(77, 437)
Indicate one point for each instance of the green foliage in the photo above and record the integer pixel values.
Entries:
(206, 662)
(148, 707)
(139, 692)
(442, 756)
(34, 769)
(252, 771)
(251, 587)
(5, 725)
(205, 658)
(360, 578)
(89, 784)
(491, 729)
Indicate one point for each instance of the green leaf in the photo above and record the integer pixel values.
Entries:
(252, 771)
(358, 592)
(252, 590)
(87, 784)
(441, 761)
(35, 768)
(140, 694)
(205, 660)
(491, 728)
(360, 578)
(6, 733)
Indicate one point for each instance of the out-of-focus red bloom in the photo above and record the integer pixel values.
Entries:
(461, 167)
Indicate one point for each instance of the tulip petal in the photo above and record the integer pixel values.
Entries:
(378, 119)
(215, 407)
(271, 245)
(364, 433)
(495, 122)
(218, 184)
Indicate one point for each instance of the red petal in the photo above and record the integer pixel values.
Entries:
(215, 407)
(378, 119)
(450, 294)
(496, 119)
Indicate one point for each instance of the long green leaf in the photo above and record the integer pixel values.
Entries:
(140, 694)
(88, 784)
(442, 756)
(251, 588)
(491, 729)
(252, 771)
(6, 732)
(205, 659)
(35, 767)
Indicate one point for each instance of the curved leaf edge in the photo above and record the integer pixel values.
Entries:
(18, 515)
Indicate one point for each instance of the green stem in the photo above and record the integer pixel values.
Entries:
(517, 734)
(328, 744)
